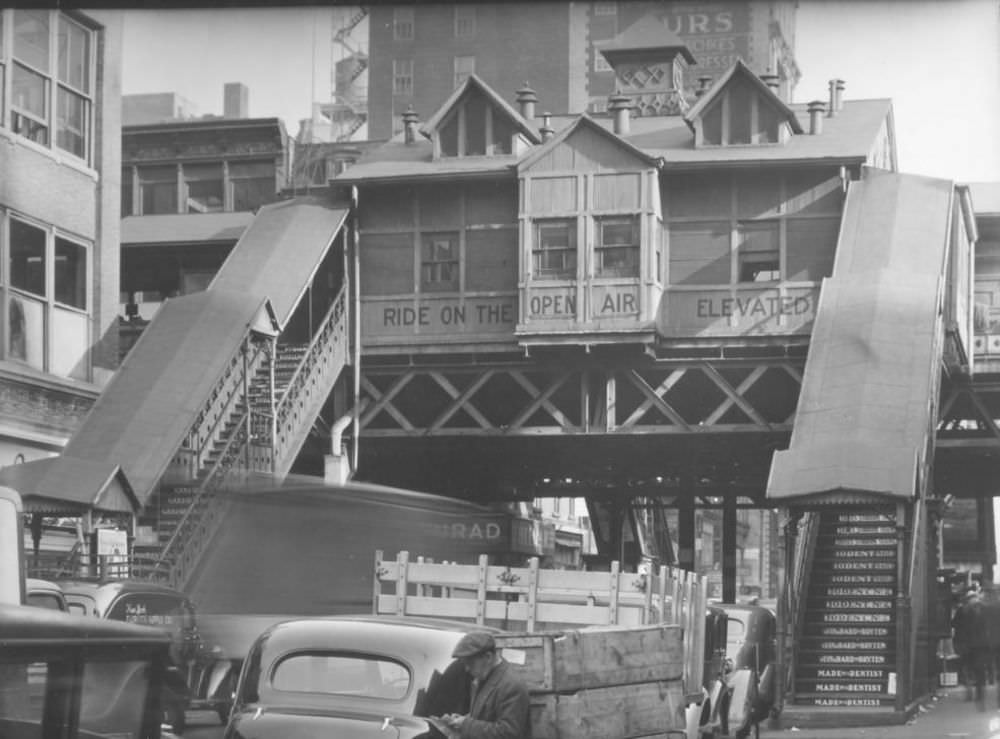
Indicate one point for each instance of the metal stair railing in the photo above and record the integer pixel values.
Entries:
(310, 384)
(193, 532)
(793, 598)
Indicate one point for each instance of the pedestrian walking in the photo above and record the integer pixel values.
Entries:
(499, 703)
(971, 640)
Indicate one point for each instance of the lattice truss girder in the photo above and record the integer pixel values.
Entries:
(525, 399)
(970, 415)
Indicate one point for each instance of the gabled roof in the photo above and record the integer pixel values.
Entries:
(741, 69)
(280, 252)
(473, 82)
(584, 121)
(649, 33)
(70, 485)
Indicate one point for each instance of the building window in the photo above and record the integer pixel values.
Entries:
(439, 262)
(465, 21)
(758, 251)
(464, 66)
(157, 190)
(204, 191)
(252, 184)
(605, 8)
(402, 24)
(51, 80)
(402, 76)
(616, 252)
(47, 324)
(126, 191)
(554, 251)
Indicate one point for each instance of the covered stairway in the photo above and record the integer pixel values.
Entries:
(221, 384)
(857, 477)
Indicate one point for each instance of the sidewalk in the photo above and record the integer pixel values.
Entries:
(946, 716)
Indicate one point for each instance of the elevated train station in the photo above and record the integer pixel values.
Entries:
(719, 299)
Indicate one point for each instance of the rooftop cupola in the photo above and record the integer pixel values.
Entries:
(649, 61)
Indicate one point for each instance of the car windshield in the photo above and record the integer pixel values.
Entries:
(340, 673)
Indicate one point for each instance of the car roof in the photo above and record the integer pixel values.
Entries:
(105, 592)
(25, 625)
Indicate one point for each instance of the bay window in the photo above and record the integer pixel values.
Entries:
(46, 298)
(51, 79)
(554, 249)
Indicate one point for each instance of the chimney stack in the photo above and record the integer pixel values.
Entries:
(836, 95)
(816, 108)
(546, 129)
(410, 119)
(620, 107)
(526, 99)
(235, 100)
(773, 82)
(704, 82)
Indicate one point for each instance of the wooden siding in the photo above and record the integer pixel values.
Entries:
(711, 218)
(587, 150)
(395, 221)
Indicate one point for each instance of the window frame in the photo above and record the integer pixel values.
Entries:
(634, 221)
(748, 257)
(54, 128)
(48, 302)
(402, 72)
(432, 266)
(466, 23)
(541, 251)
(403, 27)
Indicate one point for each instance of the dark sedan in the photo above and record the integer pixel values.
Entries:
(358, 676)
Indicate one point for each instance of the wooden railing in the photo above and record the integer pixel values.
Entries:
(310, 385)
(533, 599)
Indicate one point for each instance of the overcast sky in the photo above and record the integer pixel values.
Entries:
(938, 61)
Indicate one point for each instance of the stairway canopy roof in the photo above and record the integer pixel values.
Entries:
(143, 415)
(279, 253)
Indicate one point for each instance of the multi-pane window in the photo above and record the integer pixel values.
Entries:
(616, 251)
(402, 76)
(465, 20)
(439, 262)
(252, 183)
(605, 8)
(402, 24)
(157, 189)
(45, 294)
(758, 251)
(464, 66)
(208, 187)
(554, 249)
(204, 188)
(51, 80)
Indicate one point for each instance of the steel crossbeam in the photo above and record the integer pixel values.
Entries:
(675, 397)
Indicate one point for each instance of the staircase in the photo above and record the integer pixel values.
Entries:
(847, 647)
(245, 428)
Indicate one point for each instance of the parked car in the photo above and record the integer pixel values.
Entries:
(350, 676)
(44, 594)
(63, 675)
(199, 677)
(751, 652)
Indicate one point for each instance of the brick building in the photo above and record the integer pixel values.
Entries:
(60, 108)
(420, 53)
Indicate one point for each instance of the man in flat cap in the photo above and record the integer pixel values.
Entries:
(499, 706)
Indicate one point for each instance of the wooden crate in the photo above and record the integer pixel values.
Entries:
(622, 712)
(579, 659)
